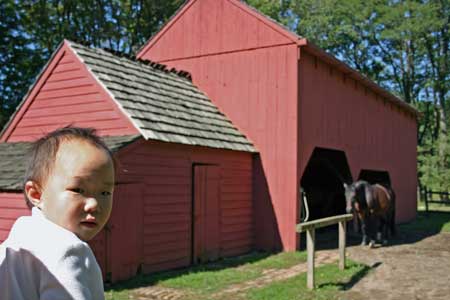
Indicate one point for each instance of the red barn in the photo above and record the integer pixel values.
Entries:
(315, 121)
(184, 192)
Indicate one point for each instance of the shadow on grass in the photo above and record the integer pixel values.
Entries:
(425, 225)
(343, 286)
(146, 280)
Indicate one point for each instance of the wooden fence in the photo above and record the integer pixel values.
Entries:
(310, 228)
(429, 197)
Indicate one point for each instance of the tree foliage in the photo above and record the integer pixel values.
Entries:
(401, 45)
(30, 30)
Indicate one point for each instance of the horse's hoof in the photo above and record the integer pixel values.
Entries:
(371, 244)
(379, 237)
(363, 243)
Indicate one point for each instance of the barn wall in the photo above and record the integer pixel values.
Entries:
(67, 94)
(209, 27)
(337, 112)
(165, 170)
(12, 206)
(254, 89)
(247, 65)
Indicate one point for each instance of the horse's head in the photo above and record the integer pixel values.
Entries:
(350, 196)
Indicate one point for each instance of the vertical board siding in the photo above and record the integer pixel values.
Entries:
(69, 94)
(256, 90)
(166, 173)
(231, 55)
(99, 246)
(247, 65)
(12, 206)
(220, 26)
(236, 210)
(338, 113)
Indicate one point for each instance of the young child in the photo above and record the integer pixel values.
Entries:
(69, 184)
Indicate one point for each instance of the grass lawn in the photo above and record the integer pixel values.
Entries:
(202, 282)
(329, 281)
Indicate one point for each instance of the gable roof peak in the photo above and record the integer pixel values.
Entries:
(163, 104)
(121, 54)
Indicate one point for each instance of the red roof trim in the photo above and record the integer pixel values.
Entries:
(35, 88)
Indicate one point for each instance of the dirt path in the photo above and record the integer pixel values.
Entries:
(416, 268)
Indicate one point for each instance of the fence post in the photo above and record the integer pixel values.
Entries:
(342, 242)
(310, 245)
(426, 199)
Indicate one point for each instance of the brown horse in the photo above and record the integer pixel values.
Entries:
(374, 205)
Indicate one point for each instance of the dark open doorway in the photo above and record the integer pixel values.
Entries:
(322, 182)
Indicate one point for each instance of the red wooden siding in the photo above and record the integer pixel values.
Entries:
(339, 113)
(255, 90)
(165, 170)
(218, 28)
(206, 206)
(67, 93)
(99, 245)
(125, 232)
(12, 206)
(236, 207)
(256, 80)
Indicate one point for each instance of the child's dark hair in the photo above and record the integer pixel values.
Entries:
(42, 154)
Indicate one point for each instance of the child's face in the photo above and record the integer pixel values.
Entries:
(78, 192)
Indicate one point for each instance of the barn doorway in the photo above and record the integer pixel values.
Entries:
(322, 183)
(375, 176)
(205, 213)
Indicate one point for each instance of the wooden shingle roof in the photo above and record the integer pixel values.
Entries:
(13, 160)
(163, 105)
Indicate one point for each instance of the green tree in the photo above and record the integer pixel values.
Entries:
(30, 30)
(17, 62)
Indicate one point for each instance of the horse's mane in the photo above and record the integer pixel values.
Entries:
(361, 187)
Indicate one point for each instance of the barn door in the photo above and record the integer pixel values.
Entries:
(125, 232)
(206, 217)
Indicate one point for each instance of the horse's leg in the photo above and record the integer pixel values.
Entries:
(381, 230)
(364, 231)
(384, 242)
(372, 225)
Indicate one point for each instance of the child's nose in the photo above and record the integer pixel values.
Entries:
(91, 204)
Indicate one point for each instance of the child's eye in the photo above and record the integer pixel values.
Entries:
(106, 193)
(77, 190)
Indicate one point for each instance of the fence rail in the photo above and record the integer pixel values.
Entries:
(442, 197)
(310, 228)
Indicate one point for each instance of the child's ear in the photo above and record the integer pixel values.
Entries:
(33, 192)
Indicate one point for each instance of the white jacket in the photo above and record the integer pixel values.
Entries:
(41, 260)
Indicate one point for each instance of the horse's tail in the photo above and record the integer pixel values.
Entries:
(392, 218)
